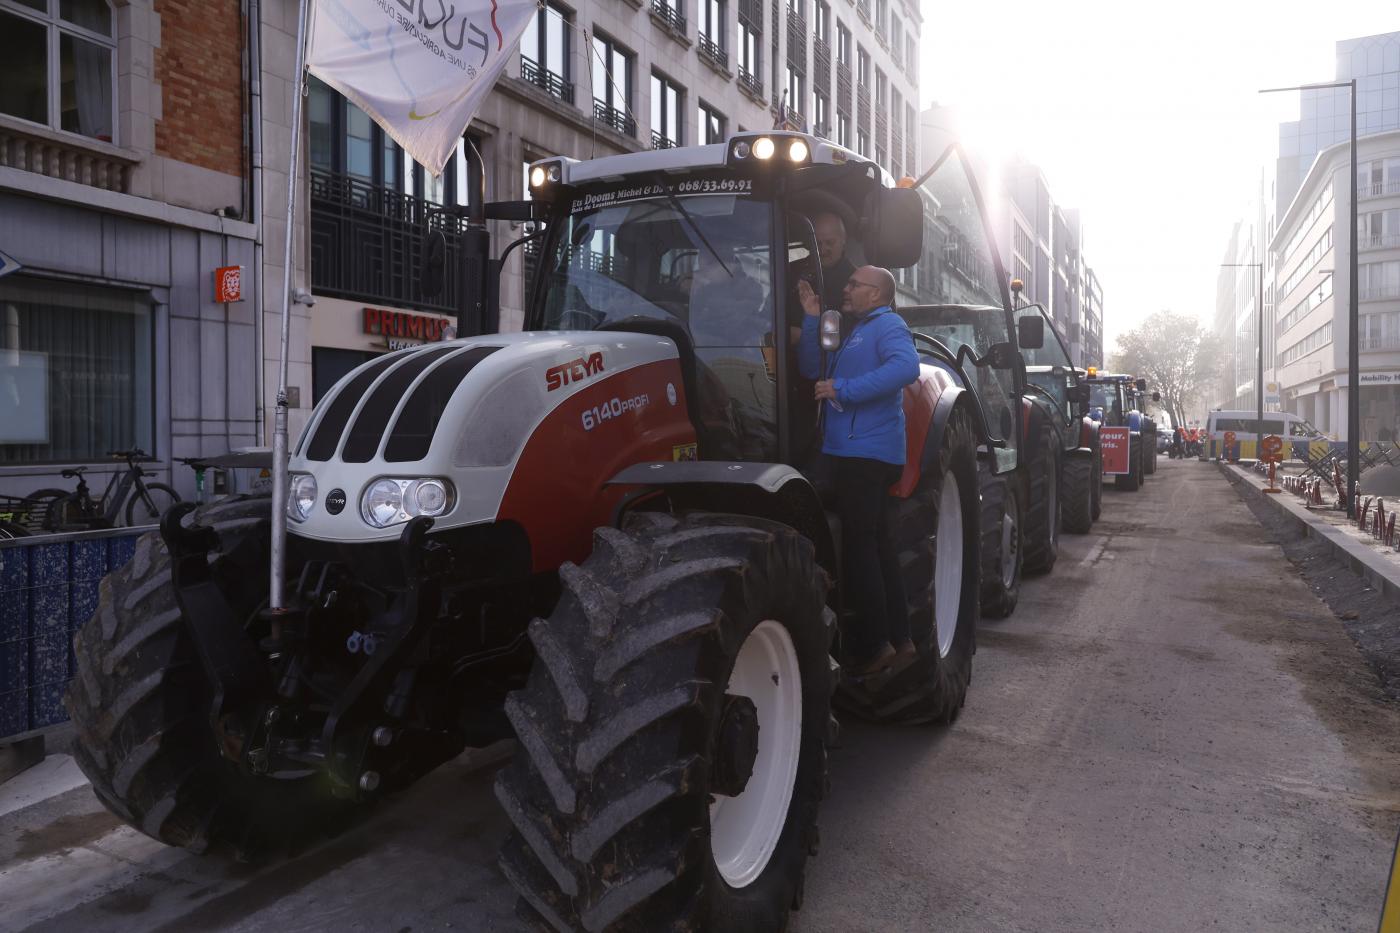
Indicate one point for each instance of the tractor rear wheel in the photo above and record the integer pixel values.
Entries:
(1043, 504)
(673, 732)
(1078, 505)
(140, 705)
(1003, 529)
(1131, 480)
(937, 531)
(1097, 484)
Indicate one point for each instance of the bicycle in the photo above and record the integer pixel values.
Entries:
(66, 510)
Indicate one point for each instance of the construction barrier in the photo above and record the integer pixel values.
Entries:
(48, 589)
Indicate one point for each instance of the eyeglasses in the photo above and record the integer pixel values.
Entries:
(852, 283)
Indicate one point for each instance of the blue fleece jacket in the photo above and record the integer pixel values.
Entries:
(869, 372)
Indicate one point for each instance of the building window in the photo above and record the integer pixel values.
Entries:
(76, 370)
(843, 129)
(712, 26)
(911, 59)
(863, 143)
(666, 100)
(882, 88)
(711, 124)
(821, 26)
(750, 40)
(843, 45)
(797, 8)
(862, 67)
(896, 39)
(821, 115)
(544, 53)
(793, 91)
(1379, 228)
(881, 17)
(612, 85)
(60, 65)
(343, 140)
(1378, 280)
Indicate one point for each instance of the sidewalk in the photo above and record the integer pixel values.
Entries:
(1368, 557)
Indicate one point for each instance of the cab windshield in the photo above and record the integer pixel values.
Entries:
(699, 261)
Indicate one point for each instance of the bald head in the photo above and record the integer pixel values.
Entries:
(831, 238)
(869, 287)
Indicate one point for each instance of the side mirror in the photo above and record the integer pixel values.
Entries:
(892, 230)
(1030, 332)
(1156, 396)
(1080, 393)
(831, 330)
(1141, 385)
(1000, 356)
(434, 264)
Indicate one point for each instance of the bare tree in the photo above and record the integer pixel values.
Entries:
(1176, 356)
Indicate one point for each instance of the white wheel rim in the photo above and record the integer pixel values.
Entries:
(744, 830)
(1008, 548)
(948, 572)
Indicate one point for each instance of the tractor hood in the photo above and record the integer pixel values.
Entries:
(456, 413)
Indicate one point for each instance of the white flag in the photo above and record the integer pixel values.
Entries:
(419, 68)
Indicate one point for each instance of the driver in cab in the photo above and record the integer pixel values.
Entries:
(861, 389)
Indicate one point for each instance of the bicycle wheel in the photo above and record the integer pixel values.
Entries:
(146, 506)
(10, 530)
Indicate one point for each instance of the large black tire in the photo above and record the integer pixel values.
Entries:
(1042, 537)
(1098, 479)
(1131, 481)
(139, 511)
(934, 687)
(1149, 450)
(1003, 527)
(619, 727)
(140, 705)
(1078, 485)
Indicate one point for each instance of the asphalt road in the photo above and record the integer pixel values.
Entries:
(1171, 733)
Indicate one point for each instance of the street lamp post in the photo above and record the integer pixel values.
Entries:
(1353, 339)
(1259, 323)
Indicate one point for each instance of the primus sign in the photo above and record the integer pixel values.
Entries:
(400, 326)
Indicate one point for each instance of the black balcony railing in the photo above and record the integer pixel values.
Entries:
(751, 84)
(670, 16)
(546, 80)
(367, 243)
(822, 129)
(662, 142)
(613, 118)
(710, 51)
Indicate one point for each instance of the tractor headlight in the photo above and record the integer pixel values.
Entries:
(301, 497)
(391, 501)
(763, 149)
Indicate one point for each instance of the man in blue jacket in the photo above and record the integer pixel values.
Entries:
(861, 388)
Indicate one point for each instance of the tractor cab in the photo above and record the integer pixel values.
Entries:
(1049, 370)
(705, 247)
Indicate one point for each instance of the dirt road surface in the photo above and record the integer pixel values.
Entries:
(1171, 733)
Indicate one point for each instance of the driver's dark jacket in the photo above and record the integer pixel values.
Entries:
(869, 371)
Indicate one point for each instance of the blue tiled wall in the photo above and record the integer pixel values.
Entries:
(47, 591)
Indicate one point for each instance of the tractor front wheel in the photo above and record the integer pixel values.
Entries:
(140, 706)
(673, 732)
(1002, 542)
(1043, 505)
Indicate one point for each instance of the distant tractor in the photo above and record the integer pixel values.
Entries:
(1065, 396)
(599, 536)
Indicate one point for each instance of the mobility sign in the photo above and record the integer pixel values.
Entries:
(1115, 444)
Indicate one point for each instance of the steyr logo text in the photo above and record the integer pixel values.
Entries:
(573, 371)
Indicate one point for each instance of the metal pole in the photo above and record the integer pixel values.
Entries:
(1353, 340)
(1259, 382)
(278, 568)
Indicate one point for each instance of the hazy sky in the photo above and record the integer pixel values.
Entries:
(1145, 117)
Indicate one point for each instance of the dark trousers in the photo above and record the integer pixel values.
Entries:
(874, 586)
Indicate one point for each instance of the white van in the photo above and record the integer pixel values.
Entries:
(1292, 428)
